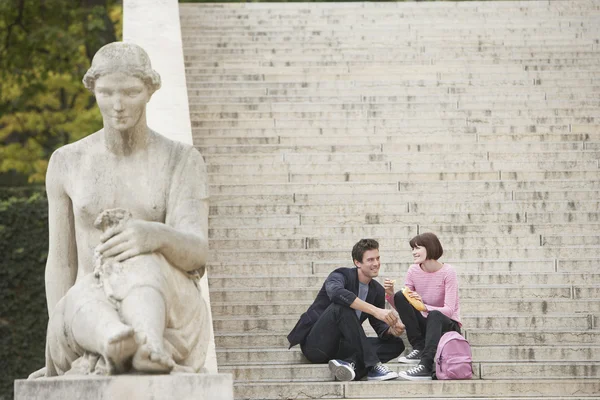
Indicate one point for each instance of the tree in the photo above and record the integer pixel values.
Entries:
(45, 48)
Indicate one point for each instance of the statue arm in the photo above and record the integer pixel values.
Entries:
(186, 246)
(61, 266)
(183, 238)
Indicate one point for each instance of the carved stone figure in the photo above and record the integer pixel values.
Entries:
(128, 221)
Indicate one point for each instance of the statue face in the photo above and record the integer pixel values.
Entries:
(122, 100)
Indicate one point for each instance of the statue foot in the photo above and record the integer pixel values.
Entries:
(152, 358)
(120, 346)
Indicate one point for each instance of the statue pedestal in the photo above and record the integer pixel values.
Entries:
(128, 387)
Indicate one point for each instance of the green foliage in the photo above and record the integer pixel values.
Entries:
(23, 312)
(45, 49)
(314, 1)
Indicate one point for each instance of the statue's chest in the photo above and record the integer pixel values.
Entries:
(142, 191)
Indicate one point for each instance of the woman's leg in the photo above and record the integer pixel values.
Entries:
(437, 325)
(413, 320)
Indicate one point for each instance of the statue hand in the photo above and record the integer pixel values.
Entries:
(131, 239)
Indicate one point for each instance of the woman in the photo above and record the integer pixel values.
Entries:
(155, 322)
(435, 284)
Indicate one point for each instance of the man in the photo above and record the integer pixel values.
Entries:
(330, 330)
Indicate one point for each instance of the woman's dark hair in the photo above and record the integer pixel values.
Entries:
(430, 242)
(361, 246)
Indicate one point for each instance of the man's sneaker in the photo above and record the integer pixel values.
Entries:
(414, 357)
(418, 373)
(343, 371)
(381, 373)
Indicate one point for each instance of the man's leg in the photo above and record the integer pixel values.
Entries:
(338, 334)
(387, 349)
(437, 325)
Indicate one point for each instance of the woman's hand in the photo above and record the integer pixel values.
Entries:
(388, 285)
(414, 295)
(128, 240)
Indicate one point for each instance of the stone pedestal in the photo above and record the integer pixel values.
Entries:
(128, 387)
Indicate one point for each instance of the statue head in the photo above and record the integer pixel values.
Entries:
(127, 58)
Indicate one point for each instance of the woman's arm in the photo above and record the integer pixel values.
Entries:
(61, 266)
(450, 295)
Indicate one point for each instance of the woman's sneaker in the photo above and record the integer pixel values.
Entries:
(343, 371)
(381, 373)
(414, 357)
(418, 373)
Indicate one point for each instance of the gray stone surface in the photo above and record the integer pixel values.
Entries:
(128, 387)
(128, 241)
(322, 123)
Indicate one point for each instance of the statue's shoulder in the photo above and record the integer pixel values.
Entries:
(71, 154)
(178, 151)
(79, 148)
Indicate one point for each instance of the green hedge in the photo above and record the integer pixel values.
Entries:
(23, 314)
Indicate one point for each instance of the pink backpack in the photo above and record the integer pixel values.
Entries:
(453, 357)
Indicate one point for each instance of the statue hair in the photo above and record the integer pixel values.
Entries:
(123, 57)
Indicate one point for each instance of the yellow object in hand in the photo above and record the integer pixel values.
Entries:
(418, 304)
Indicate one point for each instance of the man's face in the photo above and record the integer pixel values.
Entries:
(370, 264)
(122, 100)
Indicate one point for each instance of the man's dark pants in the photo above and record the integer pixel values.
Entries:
(338, 334)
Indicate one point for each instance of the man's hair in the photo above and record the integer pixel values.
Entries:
(124, 57)
(361, 246)
(430, 242)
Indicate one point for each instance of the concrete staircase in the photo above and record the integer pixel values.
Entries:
(323, 123)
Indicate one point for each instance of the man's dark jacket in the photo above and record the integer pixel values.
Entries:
(340, 287)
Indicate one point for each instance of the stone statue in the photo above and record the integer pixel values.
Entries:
(128, 221)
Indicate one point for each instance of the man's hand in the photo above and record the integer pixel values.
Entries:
(388, 285)
(397, 329)
(390, 317)
(131, 239)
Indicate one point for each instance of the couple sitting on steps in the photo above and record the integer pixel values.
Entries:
(330, 330)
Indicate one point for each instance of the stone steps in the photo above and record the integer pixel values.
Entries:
(466, 280)
(324, 123)
(485, 355)
(380, 230)
(315, 373)
(504, 266)
(483, 337)
(422, 208)
(488, 292)
(278, 323)
(287, 255)
(459, 389)
(471, 307)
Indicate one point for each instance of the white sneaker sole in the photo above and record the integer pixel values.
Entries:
(342, 373)
(405, 360)
(386, 377)
(403, 375)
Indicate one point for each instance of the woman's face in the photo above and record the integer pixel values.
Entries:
(419, 254)
(122, 100)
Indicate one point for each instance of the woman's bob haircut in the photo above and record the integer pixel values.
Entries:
(430, 242)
